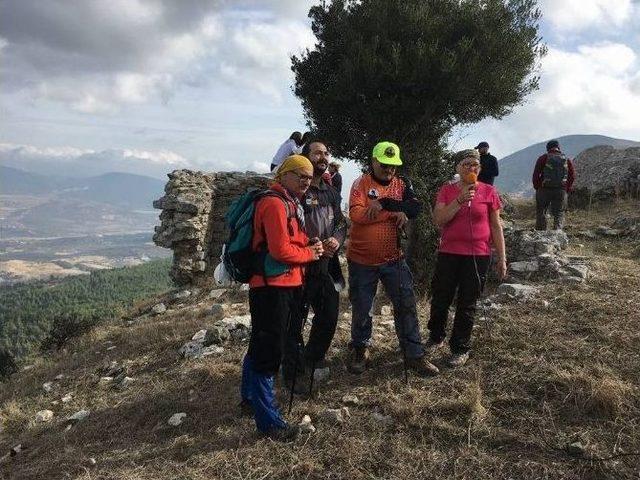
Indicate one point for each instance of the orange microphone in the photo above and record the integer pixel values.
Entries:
(470, 179)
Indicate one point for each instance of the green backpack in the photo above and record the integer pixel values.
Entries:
(240, 261)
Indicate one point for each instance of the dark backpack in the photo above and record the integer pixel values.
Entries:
(556, 170)
(240, 261)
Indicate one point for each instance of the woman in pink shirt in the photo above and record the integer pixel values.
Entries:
(468, 215)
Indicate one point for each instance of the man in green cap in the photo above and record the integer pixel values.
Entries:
(380, 205)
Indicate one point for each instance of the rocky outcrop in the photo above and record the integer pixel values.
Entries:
(539, 255)
(604, 172)
(192, 219)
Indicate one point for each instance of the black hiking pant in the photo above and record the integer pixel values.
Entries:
(321, 295)
(456, 272)
(271, 311)
(554, 198)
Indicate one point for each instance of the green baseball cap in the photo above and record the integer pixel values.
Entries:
(387, 153)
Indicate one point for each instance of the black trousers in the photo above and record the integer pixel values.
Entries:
(456, 273)
(321, 295)
(271, 312)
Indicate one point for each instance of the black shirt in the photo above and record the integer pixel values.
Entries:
(488, 168)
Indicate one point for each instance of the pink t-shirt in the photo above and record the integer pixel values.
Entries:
(458, 235)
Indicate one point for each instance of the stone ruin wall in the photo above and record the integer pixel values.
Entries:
(192, 219)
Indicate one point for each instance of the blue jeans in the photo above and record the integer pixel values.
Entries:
(398, 283)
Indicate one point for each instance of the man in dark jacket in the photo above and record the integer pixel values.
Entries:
(553, 177)
(323, 278)
(336, 177)
(488, 164)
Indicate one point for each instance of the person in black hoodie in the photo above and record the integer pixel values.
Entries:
(488, 164)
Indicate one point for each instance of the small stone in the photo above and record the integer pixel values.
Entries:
(16, 450)
(545, 304)
(181, 295)
(524, 267)
(217, 311)
(199, 335)
(386, 310)
(241, 333)
(576, 449)
(217, 293)
(572, 280)
(350, 400)
(44, 416)
(212, 350)
(516, 290)
(91, 462)
(346, 316)
(125, 382)
(191, 349)
(216, 335)
(335, 415)
(607, 232)
(384, 420)
(577, 270)
(234, 322)
(176, 419)
(67, 398)
(104, 381)
(59, 377)
(158, 309)
(47, 386)
(306, 426)
(78, 416)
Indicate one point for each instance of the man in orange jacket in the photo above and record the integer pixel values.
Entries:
(278, 228)
(380, 205)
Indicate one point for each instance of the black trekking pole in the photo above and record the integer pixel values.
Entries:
(401, 233)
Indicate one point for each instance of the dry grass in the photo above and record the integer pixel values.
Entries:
(539, 379)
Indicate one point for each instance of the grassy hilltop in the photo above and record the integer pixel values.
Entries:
(551, 391)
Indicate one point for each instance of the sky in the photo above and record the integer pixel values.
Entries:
(148, 86)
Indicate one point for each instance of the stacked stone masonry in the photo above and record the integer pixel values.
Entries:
(192, 219)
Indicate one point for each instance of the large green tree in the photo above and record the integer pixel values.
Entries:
(409, 71)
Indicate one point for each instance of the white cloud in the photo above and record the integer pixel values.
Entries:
(594, 89)
(132, 52)
(578, 15)
(70, 161)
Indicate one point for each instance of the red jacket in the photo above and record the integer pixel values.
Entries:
(538, 171)
(271, 226)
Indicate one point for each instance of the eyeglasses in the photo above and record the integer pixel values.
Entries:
(302, 178)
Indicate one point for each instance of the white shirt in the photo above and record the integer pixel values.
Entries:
(287, 149)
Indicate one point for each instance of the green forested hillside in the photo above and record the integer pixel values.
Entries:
(26, 311)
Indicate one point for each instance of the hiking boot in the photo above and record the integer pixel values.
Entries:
(285, 435)
(422, 366)
(358, 360)
(458, 359)
(432, 347)
(246, 408)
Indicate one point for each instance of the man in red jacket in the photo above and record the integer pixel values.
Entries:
(553, 177)
(278, 226)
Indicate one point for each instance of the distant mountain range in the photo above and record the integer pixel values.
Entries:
(35, 205)
(119, 189)
(516, 169)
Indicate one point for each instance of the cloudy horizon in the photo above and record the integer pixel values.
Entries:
(147, 85)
